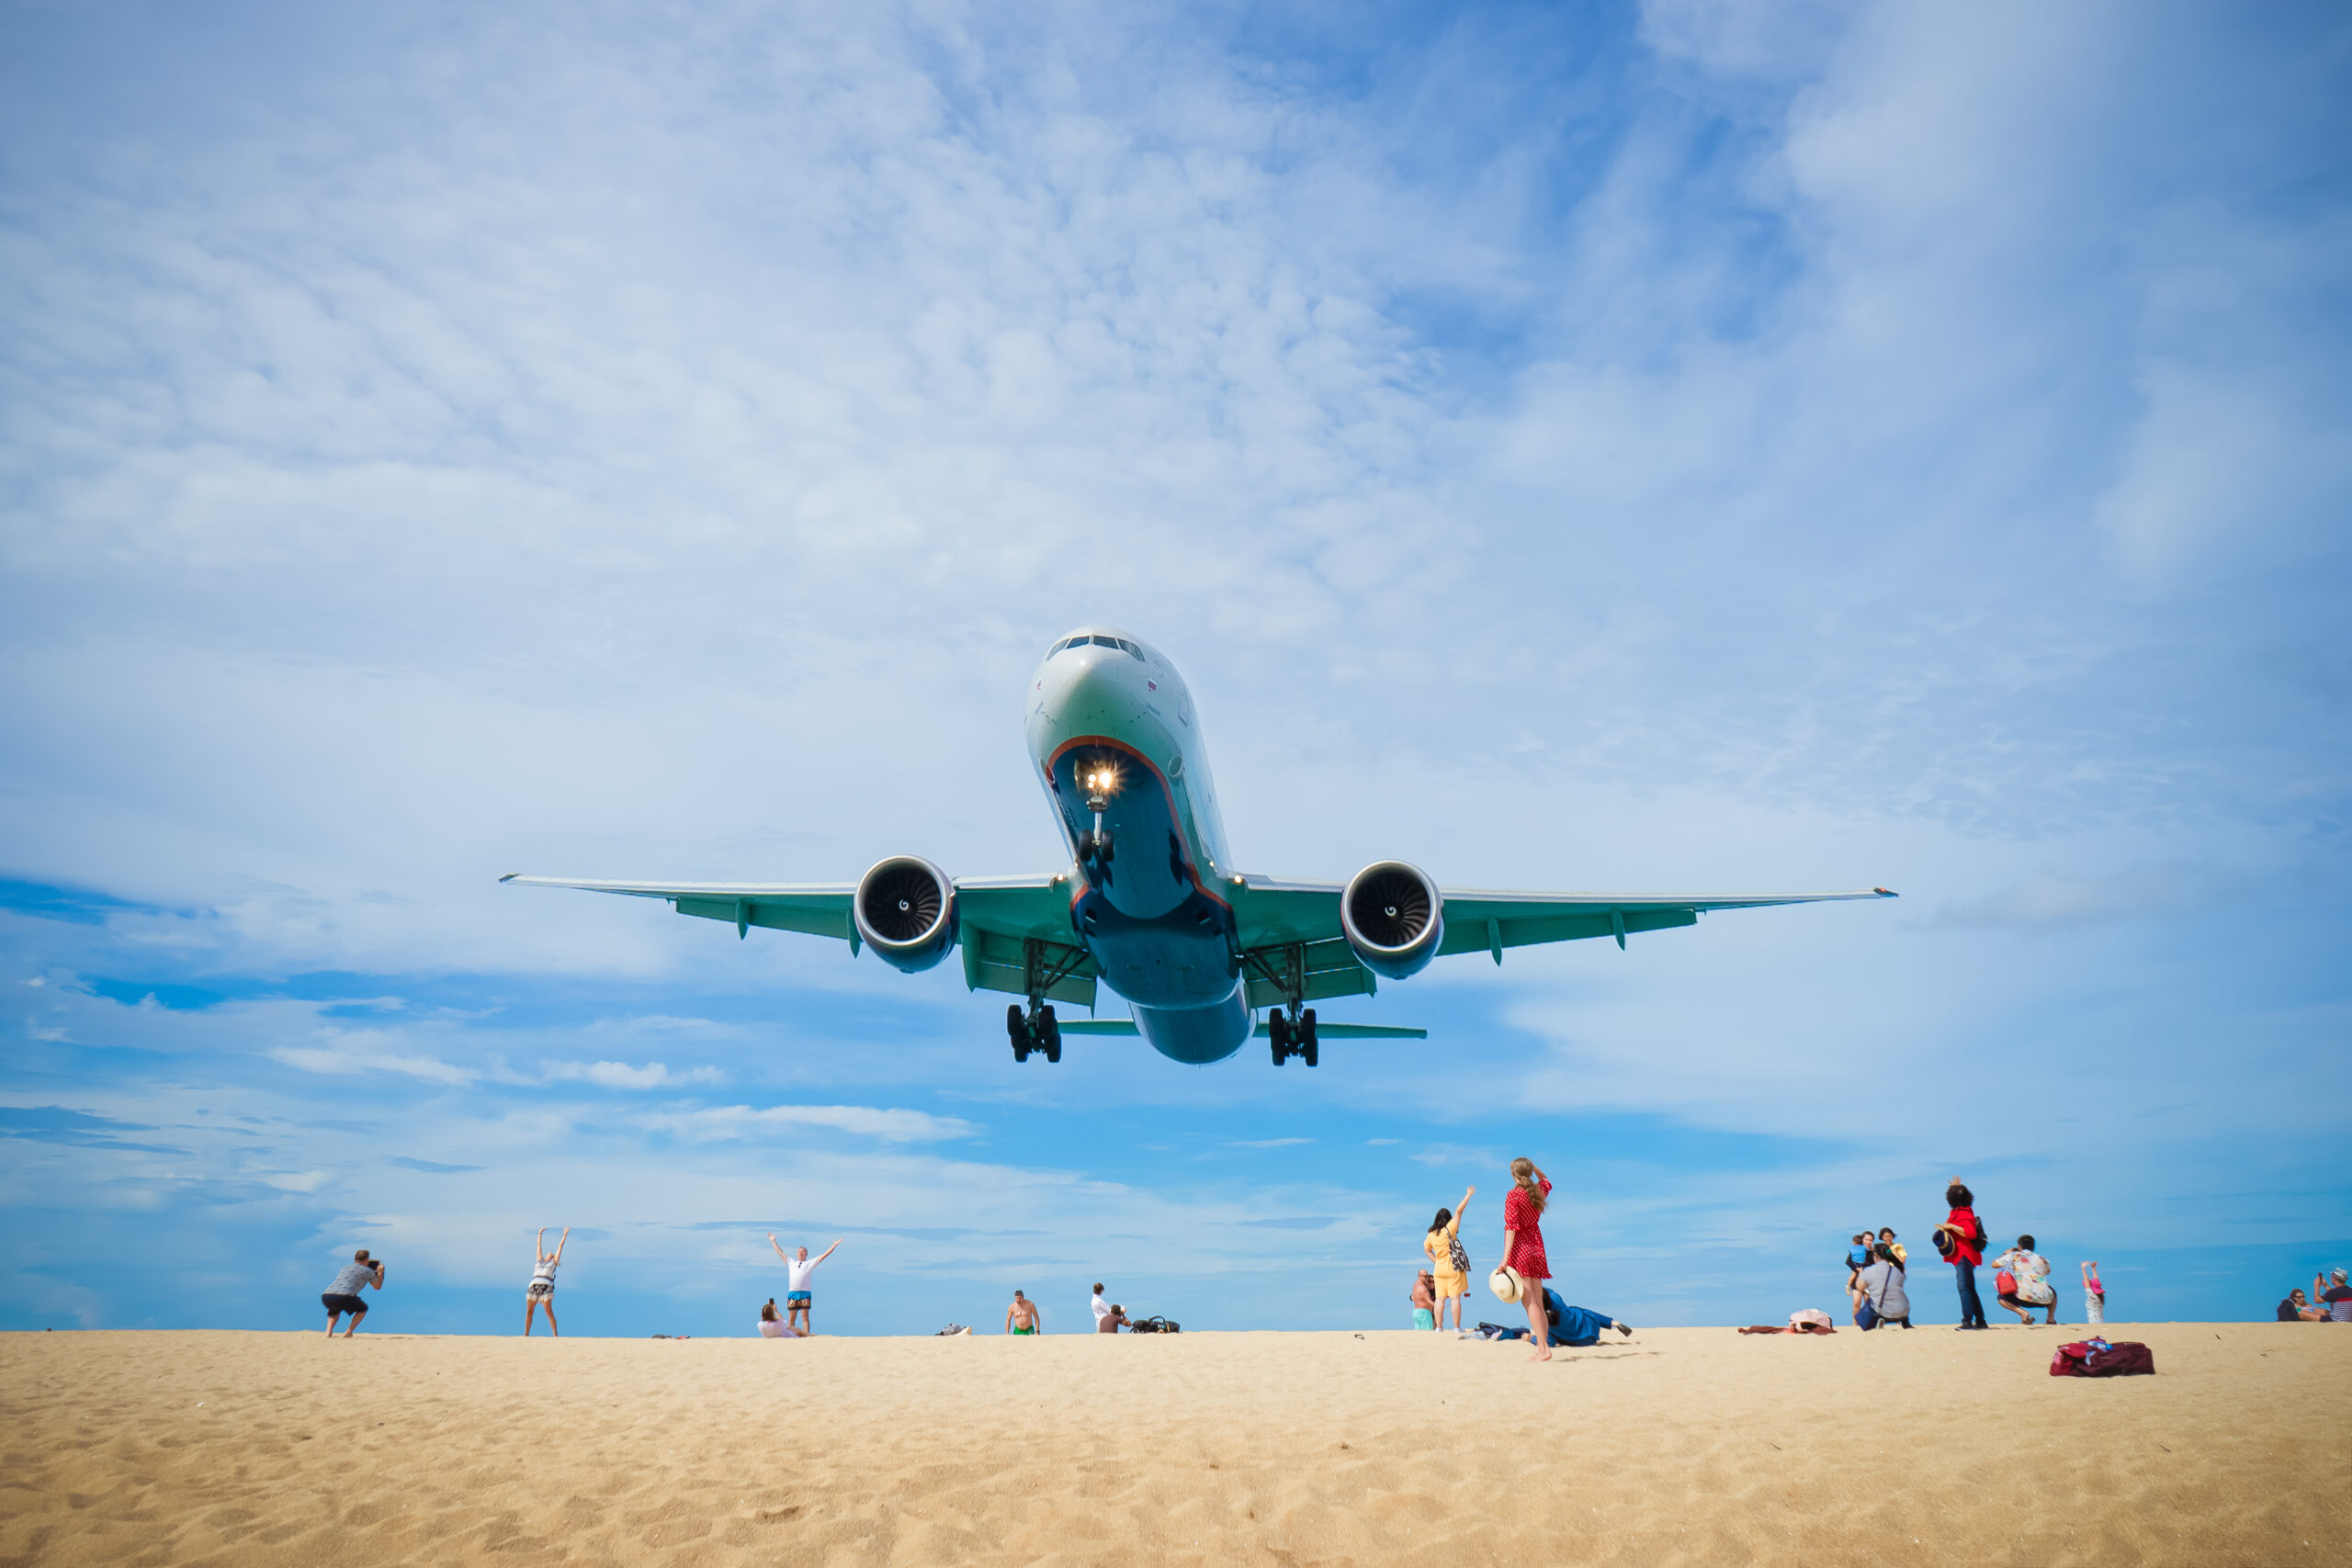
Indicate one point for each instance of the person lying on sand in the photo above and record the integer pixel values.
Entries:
(1577, 1325)
(2294, 1309)
(1022, 1317)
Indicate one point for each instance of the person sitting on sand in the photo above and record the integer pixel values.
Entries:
(1112, 1320)
(541, 1293)
(2030, 1285)
(1878, 1294)
(343, 1296)
(798, 1303)
(1523, 1245)
(2337, 1298)
(771, 1322)
(1576, 1325)
(1424, 1299)
(1449, 1260)
(1023, 1316)
(2294, 1309)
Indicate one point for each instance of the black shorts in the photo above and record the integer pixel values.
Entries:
(338, 1304)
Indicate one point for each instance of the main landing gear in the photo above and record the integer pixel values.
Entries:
(1034, 1030)
(1292, 1037)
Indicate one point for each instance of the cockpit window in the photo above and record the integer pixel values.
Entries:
(1122, 644)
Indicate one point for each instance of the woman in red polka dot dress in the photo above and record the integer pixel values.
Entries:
(1524, 1246)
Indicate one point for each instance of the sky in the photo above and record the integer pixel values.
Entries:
(1681, 446)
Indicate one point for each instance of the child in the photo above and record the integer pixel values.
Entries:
(1858, 1258)
(1424, 1299)
(2094, 1294)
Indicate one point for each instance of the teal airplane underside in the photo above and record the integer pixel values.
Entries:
(1149, 907)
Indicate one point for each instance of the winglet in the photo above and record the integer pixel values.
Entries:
(510, 876)
(1886, 893)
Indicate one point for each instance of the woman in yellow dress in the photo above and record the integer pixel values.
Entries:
(1448, 1262)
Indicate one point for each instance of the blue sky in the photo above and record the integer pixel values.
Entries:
(1679, 447)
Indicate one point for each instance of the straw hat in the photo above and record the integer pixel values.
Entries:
(1506, 1284)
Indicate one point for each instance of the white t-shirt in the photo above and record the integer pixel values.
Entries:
(1101, 1309)
(797, 1272)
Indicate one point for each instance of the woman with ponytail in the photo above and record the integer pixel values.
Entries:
(1524, 1246)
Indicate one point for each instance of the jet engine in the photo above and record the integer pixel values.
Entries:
(905, 911)
(1394, 917)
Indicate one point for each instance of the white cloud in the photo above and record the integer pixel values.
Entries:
(743, 1121)
(346, 1059)
(620, 1074)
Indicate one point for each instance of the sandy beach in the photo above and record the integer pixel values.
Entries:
(1685, 1445)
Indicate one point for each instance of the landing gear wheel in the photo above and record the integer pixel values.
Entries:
(1278, 1030)
(1307, 1036)
(1018, 1028)
(1049, 1035)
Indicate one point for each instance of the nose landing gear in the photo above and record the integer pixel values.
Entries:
(1292, 1037)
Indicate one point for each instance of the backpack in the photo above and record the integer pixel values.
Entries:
(1155, 1325)
(2098, 1358)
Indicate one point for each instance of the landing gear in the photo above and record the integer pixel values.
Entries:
(1036, 1030)
(1292, 1037)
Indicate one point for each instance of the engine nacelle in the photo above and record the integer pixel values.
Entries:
(905, 910)
(1393, 916)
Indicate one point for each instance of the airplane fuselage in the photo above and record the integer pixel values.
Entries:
(1116, 741)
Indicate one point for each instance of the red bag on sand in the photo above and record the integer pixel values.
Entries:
(2124, 1359)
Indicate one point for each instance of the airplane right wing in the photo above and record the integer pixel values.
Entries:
(1004, 924)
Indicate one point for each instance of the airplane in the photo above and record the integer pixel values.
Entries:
(1151, 906)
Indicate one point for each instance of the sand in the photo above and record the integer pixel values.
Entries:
(1685, 1445)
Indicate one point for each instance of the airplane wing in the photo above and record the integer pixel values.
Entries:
(1289, 931)
(998, 920)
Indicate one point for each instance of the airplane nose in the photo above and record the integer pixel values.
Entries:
(1083, 684)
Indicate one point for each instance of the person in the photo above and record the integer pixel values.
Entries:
(1023, 1316)
(2294, 1309)
(1857, 1257)
(542, 1291)
(1575, 1325)
(1524, 1245)
(1961, 1238)
(2094, 1294)
(798, 1300)
(1112, 1320)
(1450, 1261)
(343, 1296)
(1878, 1294)
(1886, 1239)
(1424, 1299)
(1102, 1307)
(2030, 1286)
(772, 1322)
(2337, 1298)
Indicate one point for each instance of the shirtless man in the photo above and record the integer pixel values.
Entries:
(1022, 1317)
